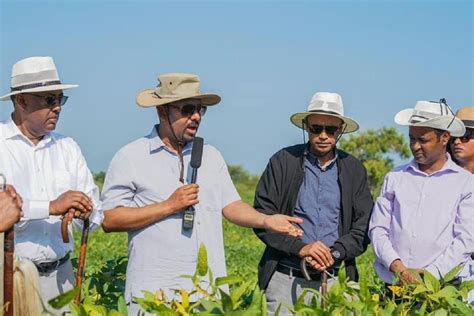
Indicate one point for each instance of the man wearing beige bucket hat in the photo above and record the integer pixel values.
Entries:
(324, 186)
(462, 149)
(148, 186)
(432, 190)
(48, 171)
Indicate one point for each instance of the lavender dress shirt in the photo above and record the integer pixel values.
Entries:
(426, 221)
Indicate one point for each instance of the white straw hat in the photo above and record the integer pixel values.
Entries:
(326, 103)
(35, 74)
(432, 114)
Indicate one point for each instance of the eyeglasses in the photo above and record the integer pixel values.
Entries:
(52, 100)
(190, 109)
(467, 136)
(318, 129)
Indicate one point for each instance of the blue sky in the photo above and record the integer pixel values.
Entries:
(266, 59)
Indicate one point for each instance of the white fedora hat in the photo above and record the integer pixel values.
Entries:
(326, 103)
(35, 74)
(432, 114)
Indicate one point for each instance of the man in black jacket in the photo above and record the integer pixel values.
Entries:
(324, 186)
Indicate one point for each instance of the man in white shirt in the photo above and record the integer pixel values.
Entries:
(47, 170)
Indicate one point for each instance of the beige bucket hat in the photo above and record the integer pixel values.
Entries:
(35, 74)
(174, 87)
(466, 115)
(431, 114)
(326, 103)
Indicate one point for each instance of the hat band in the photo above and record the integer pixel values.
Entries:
(36, 85)
(468, 122)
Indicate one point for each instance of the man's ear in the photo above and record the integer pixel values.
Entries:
(161, 110)
(445, 138)
(19, 101)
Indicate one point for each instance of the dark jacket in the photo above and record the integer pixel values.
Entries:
(277, 192)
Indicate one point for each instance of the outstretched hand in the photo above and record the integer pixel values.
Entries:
(283, 224)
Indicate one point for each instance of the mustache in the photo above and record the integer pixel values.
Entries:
(192, 125)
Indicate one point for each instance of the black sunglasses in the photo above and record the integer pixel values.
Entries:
(318, 129)
(52, 100)
(466, 137)
(190, 109)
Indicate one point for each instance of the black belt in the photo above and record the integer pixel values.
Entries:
(48, 267)
(315, 276)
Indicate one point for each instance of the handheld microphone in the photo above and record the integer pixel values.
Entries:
(196, 158)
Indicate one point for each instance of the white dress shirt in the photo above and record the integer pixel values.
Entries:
(40, 174)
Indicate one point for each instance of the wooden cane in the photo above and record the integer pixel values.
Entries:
(324, 279)
(82, 259)
(8, 255)
(8, 252)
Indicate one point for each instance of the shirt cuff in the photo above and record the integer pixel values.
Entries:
(35, 209)
(388, 258)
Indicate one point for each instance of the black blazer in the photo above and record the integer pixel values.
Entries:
(277, 192)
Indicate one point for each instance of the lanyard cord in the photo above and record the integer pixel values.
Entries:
(180, 147)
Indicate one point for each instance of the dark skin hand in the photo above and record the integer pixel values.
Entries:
(72, 204)
(10, 208)
(317, 255)
(407, 275)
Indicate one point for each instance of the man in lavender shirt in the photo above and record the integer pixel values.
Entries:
(423, 218)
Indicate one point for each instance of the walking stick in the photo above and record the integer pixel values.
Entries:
(82, 259)
(8, 254)
(324, 280)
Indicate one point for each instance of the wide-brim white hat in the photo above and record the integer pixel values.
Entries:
(431, 114)
(35, 74)
(326, 103)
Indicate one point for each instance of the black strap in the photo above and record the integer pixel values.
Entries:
(36, 85)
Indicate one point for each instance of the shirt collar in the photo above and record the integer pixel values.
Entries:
(449, 166)
(12, 131)
(315, 161)
(156, 143)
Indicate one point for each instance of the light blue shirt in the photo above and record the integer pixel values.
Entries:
(319, 202)
(146, 172)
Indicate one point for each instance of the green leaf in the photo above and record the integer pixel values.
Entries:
(202, 265)
(63, 299)
(432, 284)
(420, 288)
(122, 306)
(226, 301)
(452, 274)
(231, 279)
(236, 294)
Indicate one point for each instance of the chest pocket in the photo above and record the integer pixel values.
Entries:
(63, 181)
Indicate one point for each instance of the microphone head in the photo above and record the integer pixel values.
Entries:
(196, 153)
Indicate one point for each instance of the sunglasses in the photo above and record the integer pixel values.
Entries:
(466, 137)
(52, 100)
(189, 110)
(318, 129)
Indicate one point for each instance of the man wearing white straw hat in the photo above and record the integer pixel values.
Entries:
(48, 171)
(148, 186)
(324, 186)
(424, 217)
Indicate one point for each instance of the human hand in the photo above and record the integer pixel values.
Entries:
(318, 255)
(410, 276)
(69, 201)
(283, 224)
(183, 197)
(10, 208)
